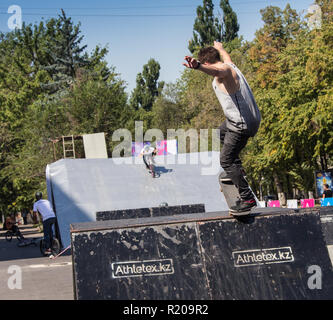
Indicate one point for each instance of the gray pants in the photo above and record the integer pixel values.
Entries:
(233, 144)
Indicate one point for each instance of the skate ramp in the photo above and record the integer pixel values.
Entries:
(280, 255)
(78, 188)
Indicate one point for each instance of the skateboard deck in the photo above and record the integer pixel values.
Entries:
(231, 195)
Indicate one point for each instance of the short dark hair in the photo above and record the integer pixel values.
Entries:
(209, 54)
(326, 185)
(38, 195)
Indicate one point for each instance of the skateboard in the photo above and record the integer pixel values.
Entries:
(232, 196)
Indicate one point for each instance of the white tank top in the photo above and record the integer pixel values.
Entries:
(240, 108)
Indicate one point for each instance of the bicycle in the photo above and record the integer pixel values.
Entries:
(27, 242)
(9, 235)
(55, 247)
(13, 230)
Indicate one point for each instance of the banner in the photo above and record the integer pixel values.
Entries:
(307, 203)
(172, 146)
(321, 179)
(326, 202)
(292, 203)
(164, 147)
(137, 147)
(274, 204)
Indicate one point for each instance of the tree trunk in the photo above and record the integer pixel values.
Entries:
(290, 188)
(323, 162)
(279, 189)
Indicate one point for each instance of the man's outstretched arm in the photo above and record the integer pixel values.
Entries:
(193, 63)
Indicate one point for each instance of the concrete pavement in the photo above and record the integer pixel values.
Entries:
(26, 275)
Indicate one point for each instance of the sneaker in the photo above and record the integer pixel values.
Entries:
(244, 205)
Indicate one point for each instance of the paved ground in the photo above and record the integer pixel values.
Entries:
(41, 277)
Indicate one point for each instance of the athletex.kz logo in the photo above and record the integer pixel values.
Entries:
(142, 268)
(262, 256)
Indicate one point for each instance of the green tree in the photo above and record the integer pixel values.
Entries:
(230, 26)
(292, 86)
(168, 111)
(98, 106)
(147, 87)
(280, 28)
(326, 10)
(206, 28)
(32, 112)
(65, 51)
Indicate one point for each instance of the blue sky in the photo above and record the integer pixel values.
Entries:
(137, 30)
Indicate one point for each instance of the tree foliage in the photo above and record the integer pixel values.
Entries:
(147, 86)
(292, 85)
(206, 28)
(51, 86)
(230, 26)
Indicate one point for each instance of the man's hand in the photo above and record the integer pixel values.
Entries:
(224, 54)
(192, 63)
(218, 45)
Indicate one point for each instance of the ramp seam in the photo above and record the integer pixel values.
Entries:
(203, 260)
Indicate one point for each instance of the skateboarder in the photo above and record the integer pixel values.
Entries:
(241, 112)
(147, 153)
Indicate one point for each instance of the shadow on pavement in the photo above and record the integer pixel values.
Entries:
(10, 251)
(161, 170)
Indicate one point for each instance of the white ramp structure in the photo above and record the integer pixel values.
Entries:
(79, 188)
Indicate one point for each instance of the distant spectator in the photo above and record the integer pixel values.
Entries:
(10, 222)
(11, 225)
(25, 215)
(327, 192)
(19, 219)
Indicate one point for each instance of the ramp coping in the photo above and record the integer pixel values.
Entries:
(175, 219)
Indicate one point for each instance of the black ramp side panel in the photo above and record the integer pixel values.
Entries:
(327, 225)
(160, 262)
(273, 256)
(182, 209)
(123, 214)
(149, 212)
(267, 258)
